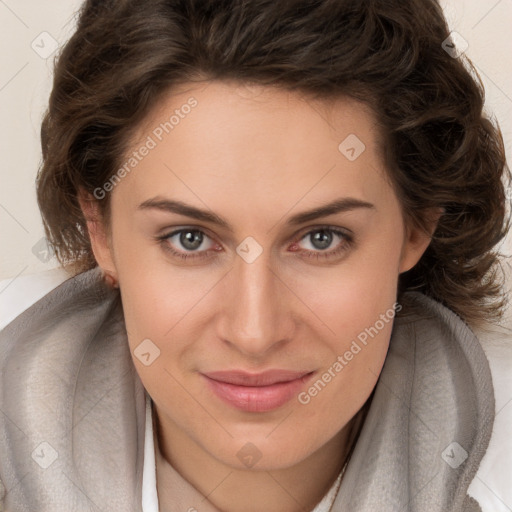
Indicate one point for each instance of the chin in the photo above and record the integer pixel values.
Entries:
(260, 452)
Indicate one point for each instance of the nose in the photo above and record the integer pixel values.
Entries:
(257, 316)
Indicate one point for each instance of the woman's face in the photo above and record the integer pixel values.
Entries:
(253, 315)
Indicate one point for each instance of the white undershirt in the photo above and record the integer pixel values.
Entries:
(149, 493)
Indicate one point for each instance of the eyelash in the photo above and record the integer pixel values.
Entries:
(343, 246)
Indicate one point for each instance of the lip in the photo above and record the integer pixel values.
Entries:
(259, 392)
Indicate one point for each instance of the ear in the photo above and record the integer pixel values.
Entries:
(417, 239)
(100, 239)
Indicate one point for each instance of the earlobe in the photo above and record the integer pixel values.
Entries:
(417, 239)
(98, 236)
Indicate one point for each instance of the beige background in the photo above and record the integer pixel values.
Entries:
(30, 27)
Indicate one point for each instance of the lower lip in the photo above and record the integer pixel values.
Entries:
(257, 398)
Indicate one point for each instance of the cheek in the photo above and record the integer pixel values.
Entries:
(359, 310)
(357, 304)
(155, 294)
(344, 385)
(354, 295)
(160, 307)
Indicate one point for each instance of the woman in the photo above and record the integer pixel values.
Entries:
(295, 207)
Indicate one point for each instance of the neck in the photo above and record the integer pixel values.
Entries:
(298, 488)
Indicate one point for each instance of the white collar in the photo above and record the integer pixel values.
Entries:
(149, 494)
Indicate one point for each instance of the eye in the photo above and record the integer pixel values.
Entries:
(193, 241)
(196, 244)
(321, 239)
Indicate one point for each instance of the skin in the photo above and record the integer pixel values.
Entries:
(255, 156)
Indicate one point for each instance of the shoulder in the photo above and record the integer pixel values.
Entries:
(491, 484)
(55, 362)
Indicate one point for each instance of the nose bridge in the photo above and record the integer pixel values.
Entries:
(254, 312)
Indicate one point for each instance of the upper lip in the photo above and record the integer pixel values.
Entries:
(267, 378)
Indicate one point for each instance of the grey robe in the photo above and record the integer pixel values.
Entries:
(73, 411)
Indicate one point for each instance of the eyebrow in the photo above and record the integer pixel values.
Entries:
(340, 205)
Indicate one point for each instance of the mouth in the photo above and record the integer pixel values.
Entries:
(260, 392)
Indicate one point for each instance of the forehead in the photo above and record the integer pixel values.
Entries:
(253, 141)
(221, 104)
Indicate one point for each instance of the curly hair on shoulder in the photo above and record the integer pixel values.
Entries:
(439, 147)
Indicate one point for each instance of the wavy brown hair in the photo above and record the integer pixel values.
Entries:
(439, 147)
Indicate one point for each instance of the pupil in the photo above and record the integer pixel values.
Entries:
(323, 238)
(191, 239)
